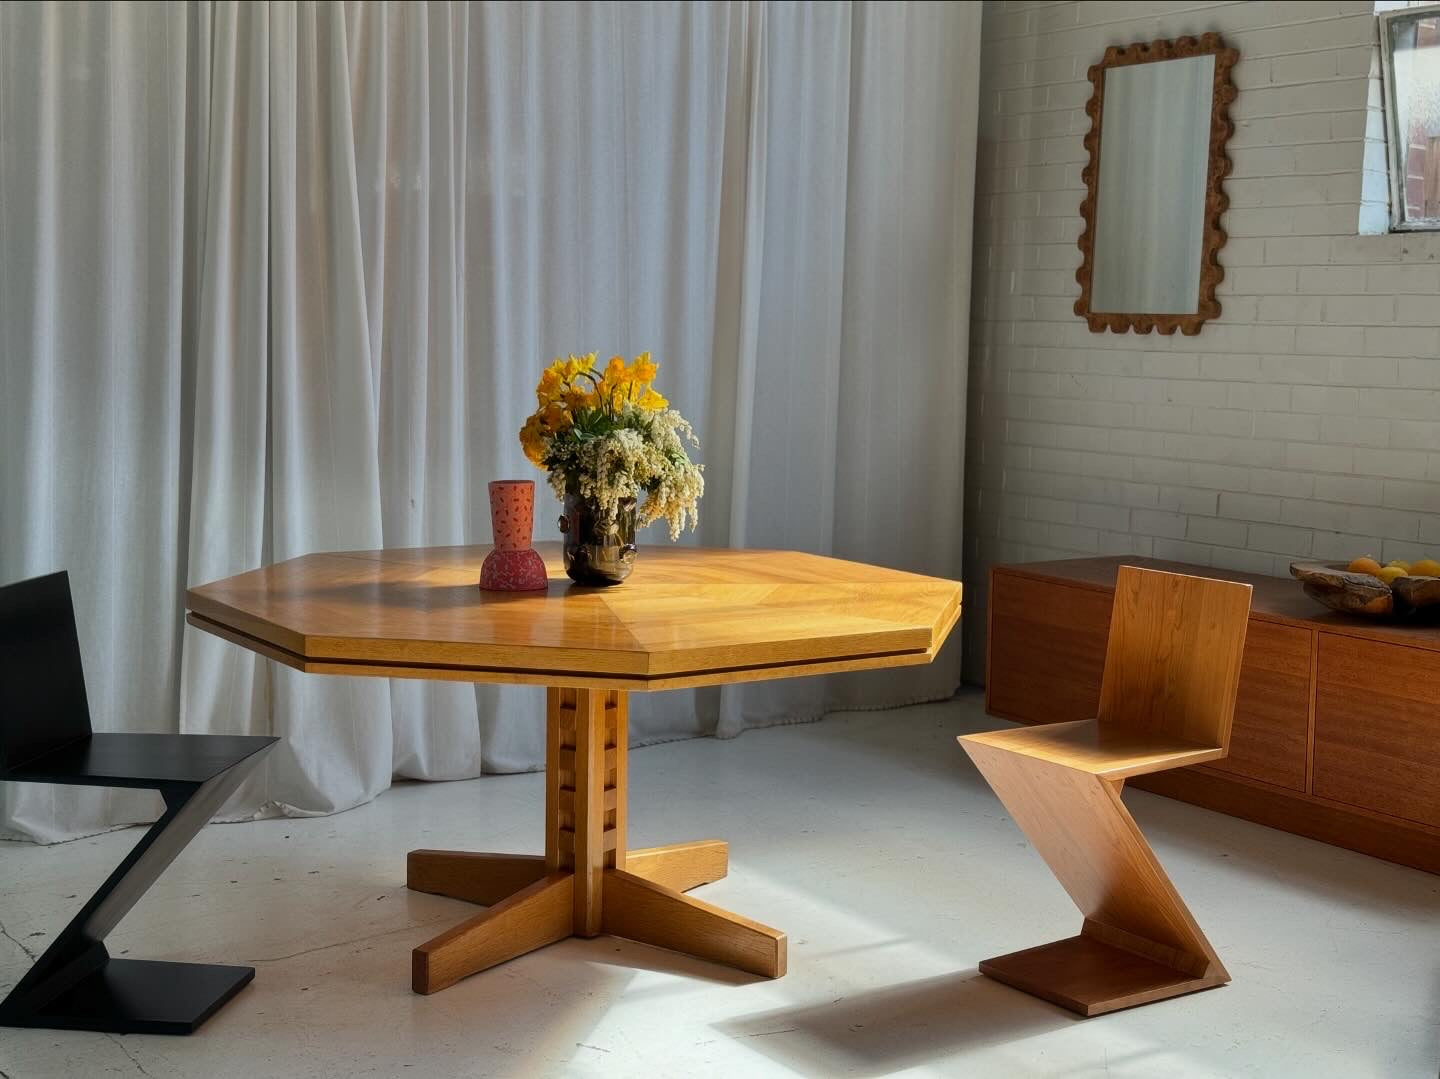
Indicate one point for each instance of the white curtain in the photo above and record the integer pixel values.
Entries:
(279, 278)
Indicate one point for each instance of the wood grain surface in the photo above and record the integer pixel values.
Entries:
(1272, 709)
(1172, 663)
(1106, 750)
(537, 915)
(1049, 640)
(639, 909)
(1377, 728)
(681, 866)
(686, 616)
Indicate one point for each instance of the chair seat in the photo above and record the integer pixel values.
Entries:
(1103, 750)
(139, 760)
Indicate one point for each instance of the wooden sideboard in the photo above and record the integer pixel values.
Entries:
(1337, 724)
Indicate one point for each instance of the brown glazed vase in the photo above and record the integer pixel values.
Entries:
(596, 554)
(514, 565)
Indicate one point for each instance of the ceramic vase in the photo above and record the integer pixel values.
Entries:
(597, 552)
(514, 565)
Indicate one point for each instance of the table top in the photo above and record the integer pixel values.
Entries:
(686, 617)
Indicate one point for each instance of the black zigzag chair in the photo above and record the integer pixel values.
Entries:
(45, 737)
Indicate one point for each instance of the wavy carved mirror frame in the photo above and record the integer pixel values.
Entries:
(1216, 201)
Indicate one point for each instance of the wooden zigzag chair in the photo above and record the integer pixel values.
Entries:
(1172, 668)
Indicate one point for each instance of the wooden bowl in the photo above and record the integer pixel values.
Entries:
(1337, 587)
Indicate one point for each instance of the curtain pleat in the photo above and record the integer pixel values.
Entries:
(92, 184)
(280, 278)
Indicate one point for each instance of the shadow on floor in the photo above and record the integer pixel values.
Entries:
(896, 1027)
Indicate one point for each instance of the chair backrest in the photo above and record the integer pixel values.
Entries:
(1173, 662)
(42, 683)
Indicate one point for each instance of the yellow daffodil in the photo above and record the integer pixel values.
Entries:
(572, 368)
(532, 441)
(643, 371)
(551, 385)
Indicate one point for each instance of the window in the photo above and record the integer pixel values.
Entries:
(1410, 55)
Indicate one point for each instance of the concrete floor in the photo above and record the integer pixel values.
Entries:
(869, 838)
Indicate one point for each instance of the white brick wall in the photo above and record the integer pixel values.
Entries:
(1305, 421)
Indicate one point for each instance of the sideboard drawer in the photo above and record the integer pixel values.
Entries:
(1050, 640)
(1377, 726)
(1272, 710)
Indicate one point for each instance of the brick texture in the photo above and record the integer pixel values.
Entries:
(1304, 422)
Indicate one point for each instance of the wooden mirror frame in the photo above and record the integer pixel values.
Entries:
(1216, 201)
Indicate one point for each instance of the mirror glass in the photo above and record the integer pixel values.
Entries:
(1150, 211)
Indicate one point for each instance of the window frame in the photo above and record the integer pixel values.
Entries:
(1384, 19)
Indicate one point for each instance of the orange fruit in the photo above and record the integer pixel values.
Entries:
(1365, 565)
(1426, 567)
(1389, 574)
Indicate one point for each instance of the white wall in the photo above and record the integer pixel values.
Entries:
(1305, 421)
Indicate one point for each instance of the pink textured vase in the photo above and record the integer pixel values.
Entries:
(514, 565)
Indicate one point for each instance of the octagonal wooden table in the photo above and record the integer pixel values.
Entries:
(686, 617)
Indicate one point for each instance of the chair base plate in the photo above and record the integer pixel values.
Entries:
(139, 996)
(1091, 977)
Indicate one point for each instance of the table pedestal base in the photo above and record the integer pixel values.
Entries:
(586, 883)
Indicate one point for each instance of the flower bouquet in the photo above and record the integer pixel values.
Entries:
(604, 437)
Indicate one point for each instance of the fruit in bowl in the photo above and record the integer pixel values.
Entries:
(1365, 587)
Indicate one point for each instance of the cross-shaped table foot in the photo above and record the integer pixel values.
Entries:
(586, 883)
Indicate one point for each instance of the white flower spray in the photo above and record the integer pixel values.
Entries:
(607, 437)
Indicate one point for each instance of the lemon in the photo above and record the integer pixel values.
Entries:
(1389, 574)
(1426, 567)
(1399, 563)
